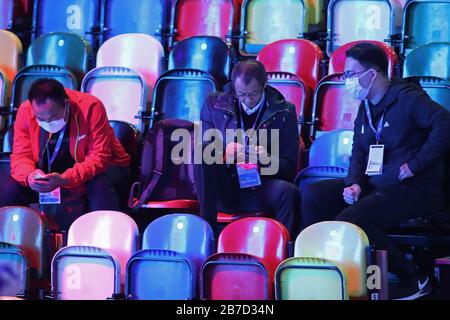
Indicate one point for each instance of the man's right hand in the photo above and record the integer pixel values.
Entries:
(235, 150)
(351, 194)
(34, 184)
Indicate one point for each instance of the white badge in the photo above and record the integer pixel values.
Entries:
(53, 197)
(375, 162)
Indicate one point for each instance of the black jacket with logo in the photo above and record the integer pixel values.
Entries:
(219, 112)
(416, 131)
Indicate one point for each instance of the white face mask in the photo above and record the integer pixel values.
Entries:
(357, 91)
(53, 126)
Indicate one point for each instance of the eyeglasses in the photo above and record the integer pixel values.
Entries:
(348, 74)
(249, 95)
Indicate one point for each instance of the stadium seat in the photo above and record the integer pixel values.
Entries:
(313, 174)
(93, 264)
(438, 89)
(149, 17)
(8, 140)
(332, 148)
(429, 60)
(26, 76)
(68, 50)
(10, 57)
(205, 53)
(341, 243)
(202, 18)
(425, 21)
(22, 245)
(333, 107)
(337, 59)
(180, 94)
(123, 92)
(80, 16)
(15, 15)
(249, 251)
(298, 56)
(140, 52)
(306, 278)
(350, 20)
(267, 21)
(174, 247)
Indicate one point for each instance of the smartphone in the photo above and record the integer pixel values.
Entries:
(41, 179)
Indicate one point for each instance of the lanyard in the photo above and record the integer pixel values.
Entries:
(254, 124)
(55, 152)
(380, 123)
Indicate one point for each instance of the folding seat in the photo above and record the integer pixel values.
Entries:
(26, 76)
(92, 266)
(438, 89)
(76, 16)
(267, 21)
(333, 107)
(22, 253)
(350, 20)
(149, 17)
(249, 251)
(337, 59)
(298, 56)
(432, 59)
(123, 92)
(342, 246)
(205, 53)
(425, 21)
(202, 18)
(15, 15)
(66, 50)
(180, 94)
(140, 52)
(174, 248)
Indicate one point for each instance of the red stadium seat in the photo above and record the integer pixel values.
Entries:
(337, 59)
(15, 15)
(252, 248)
(202, 17)
(333, 107)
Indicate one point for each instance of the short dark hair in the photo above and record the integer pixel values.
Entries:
(369, 55)
(43, 89)
(249, 70)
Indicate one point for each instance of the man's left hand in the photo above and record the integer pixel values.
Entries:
(405, 172)
(55, 180)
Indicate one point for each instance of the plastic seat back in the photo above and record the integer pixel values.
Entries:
(10, 57)
(112, 231)
(123, 92)
(429, 60)
(15, 14)
(313, 174)
(13, 270)
(425, 22)
(438, 89)
(149, 17)
(180, 94)
(350, 20)
(76, 16)
(267, 21)
(202, 18)
(209, 54)
(68, 50)
(333, 107)
(337, 59)
(140, 52)
(339, 242)
(84, 273)
(24, 228)
(332, 148)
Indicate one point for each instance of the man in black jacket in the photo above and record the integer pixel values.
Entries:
(407, 134)
(248, 103)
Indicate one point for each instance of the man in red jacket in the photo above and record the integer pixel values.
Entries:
(64, 149)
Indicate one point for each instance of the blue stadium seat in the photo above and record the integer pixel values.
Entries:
(438, 89)
(432, 59)
(332, 148)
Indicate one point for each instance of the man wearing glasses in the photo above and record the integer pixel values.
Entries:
(238, 184)
(396, 169)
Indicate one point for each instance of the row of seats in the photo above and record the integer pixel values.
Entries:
(251, 23)
(177, 259)
(129, 76)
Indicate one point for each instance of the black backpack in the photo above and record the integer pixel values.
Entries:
(161, 179)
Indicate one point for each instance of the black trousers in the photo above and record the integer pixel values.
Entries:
(375, 212)
(218, 190)
(106, 191)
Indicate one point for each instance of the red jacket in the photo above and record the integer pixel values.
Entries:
(93, 144)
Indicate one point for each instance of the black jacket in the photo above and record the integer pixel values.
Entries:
(416, 131)
(219, 112)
